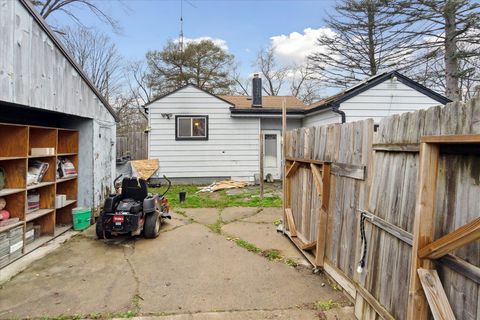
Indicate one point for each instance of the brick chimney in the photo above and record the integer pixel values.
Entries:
(256, 91)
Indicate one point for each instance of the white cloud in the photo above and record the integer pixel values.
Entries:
(295, 47)
(219, 42)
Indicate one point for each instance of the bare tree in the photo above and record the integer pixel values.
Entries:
(294, 79)
(432, 71)
(304, 85)
(366, 39)
(274, 75)
(447, 30)
(241, 84)
(48, 7)
(97, 56)
(138, 83)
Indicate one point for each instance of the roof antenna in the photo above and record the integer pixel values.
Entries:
(181, 26)
(181, 22)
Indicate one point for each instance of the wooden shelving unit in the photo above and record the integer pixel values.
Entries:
(15, 155)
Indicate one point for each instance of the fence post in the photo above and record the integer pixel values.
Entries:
(423, 228)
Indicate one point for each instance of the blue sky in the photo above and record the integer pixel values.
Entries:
(244, 25)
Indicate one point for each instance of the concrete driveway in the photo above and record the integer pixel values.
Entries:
(198, 268)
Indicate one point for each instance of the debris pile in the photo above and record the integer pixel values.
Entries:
(225, 184)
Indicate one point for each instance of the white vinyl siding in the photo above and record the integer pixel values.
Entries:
(385, 99)
(321, 119)
(276, 123)
(230, 151)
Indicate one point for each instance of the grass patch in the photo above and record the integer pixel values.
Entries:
(291, 262)
(247, 197)
(326, 305)
(272, 254)
(216, 227)
(247, 245)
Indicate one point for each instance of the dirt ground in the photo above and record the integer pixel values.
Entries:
(206, 264)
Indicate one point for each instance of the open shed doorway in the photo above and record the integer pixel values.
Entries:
(272, 157)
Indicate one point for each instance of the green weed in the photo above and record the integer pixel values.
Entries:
(291, 262)
(272, 254)
(247, 245)
(326, 305)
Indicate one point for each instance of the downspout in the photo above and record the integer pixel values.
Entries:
(336, 109)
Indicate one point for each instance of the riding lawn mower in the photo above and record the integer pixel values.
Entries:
(133, 210)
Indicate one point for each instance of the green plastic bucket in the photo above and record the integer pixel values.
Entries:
(81, 218)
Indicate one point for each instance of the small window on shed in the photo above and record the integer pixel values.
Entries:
(191, 127)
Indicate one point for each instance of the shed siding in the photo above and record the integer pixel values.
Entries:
(35, 73)
(385, 99)
(230, 151)
(322, 118)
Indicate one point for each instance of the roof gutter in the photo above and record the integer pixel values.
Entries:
(266, 116)
(337, 110)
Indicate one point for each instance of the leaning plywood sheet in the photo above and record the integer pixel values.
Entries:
(144, 168)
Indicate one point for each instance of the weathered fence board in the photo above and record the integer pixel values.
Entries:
(134, 144)
(388, 191)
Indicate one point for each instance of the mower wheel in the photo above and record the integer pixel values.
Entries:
(99, 231)
(151, 228)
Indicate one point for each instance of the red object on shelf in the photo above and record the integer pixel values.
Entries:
(4, 215)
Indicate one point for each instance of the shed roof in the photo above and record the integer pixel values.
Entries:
(44, 26)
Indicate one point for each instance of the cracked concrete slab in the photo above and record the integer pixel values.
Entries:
(192, 269)
(265, 236)
(235, 213)
(267, 215)
(202, 215)
(83, 276)
(188, 270)
(288, 314)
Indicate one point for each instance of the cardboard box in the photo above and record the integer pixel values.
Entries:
(42, 152)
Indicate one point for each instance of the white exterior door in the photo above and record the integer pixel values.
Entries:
(272, 156)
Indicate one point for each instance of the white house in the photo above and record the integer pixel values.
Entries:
(200, 137)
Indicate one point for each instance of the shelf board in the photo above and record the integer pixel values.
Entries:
(67, 154)
(61, 229)
(10, 226)
(37, 243)
(6, 192)
(12, 158)
(41, 156)
(39, 185)
(37, 214)
(67, 178)
(67, 203)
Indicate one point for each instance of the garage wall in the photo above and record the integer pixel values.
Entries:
(34, 71)
(321, 119)
(276, 123)
(35, 74)
(385, 99)
(232, 148)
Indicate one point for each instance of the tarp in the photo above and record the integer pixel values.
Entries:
(144, 168)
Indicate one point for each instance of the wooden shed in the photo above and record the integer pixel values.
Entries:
(49, 111)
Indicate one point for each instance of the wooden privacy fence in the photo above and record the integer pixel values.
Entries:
(337, 174)
(133, 143)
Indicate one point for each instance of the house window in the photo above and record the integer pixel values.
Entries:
(191, 127)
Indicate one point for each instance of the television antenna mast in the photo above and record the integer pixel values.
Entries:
(181, 22)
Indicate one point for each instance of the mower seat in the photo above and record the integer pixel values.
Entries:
(135, 189)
